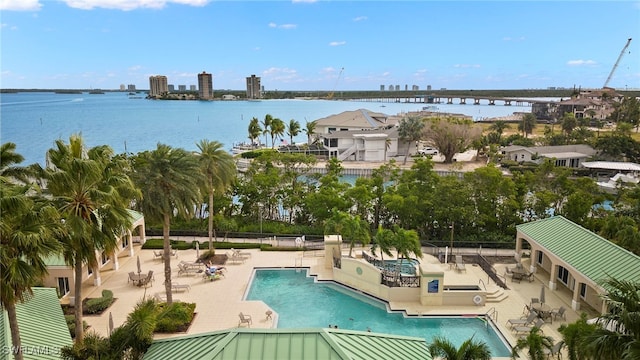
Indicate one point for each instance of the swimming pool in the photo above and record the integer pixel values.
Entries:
(301, 302)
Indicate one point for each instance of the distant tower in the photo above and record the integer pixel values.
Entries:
(205, 86)
(253, 87)
(158, 85)
(406, 87)
(428, 87)
(381, 87)
(131, 87)
(397, 87)
(172, 88)
(390, 87)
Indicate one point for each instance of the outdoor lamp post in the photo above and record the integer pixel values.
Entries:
(451, 241)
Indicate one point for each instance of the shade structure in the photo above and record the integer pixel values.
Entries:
(139, 267)
(197, 250)
(542, 294)
(110, 323)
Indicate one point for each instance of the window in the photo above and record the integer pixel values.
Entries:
(563, 275)
(125, 241)
(89, 270)
(583, 290)
(63, 286)
(104, 257)
(561, 162)
(333, 142)
(540, 256)
(331, 130)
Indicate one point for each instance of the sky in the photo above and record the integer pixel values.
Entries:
(306, 45)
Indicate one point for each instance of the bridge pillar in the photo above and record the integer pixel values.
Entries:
(492, 102)
(507, 103)
(449, 100)
(463, 101)
(476, 101)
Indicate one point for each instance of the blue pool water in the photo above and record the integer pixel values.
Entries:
(406, 266)
(303, 303)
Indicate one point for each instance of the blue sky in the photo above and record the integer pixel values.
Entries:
(303, 45)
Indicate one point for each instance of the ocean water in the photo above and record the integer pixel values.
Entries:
(34, 121)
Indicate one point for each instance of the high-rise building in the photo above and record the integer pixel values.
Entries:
(158, 86)
(182, 88)
(253, 87)
(192, 88)
(131, 87)
(172, 88)
(205, 86)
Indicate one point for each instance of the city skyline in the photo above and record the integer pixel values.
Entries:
(306, 45)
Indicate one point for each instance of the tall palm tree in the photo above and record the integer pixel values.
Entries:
(352, 228)
(410, 131)
(619, 334)
(528, 123)
(574, 337)
(406, 243)
(169, 180)
(293, 129)
(254, 130)
(266, 127)
(277, 130)
(9, 163)
(27, 228)
(499, 126)
(218, 170)
(310, 130)
(91, 191)
(469, 350)
(536, 343)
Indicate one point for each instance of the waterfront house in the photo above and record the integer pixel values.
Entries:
(565, 155)
(360, 119)
(610, 175)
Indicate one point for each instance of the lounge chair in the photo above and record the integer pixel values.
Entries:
(460, 264)
(523, 330)
(559, 312)
(158, 254)
(180, 287)
(555, 350)
(523, 322)
(244, 319)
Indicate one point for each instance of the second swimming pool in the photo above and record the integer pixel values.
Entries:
(301, 302)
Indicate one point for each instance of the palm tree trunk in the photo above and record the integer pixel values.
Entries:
(167, 257)
(15, 331)
(210, 220)
(78, 300)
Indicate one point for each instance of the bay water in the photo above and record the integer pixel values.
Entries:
(35, 120)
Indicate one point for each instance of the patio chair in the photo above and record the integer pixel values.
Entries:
(158, 254)
(534, 301)
(523, 330)
(244, 319)
(460, 264)
(523, 322)
(131, 277)
(555, 350)
(148, 280)
(559, 312)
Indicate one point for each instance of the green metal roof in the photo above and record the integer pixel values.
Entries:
(135, 215)
(308, 344)
(43, 329)
(590, 254)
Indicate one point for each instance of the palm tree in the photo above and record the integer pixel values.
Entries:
(293, 129)
(499, 126)
(410, 131)
(406, 243)
(383, 240)
(254, 130)
(218, 170)
(574, 337)
(266, 127)
(277, 130)
(469, 350)
(352, 228)
(536, 342)
(527, 125)
(619, 334)
(310, 130)
(27, 228)
(9, 160)
(91, 191)
(168, 178)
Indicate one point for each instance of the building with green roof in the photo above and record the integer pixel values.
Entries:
(576, 258)
(43, 329)
(307, 344)
(61, 275)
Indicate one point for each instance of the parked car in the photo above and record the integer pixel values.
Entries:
(428, 151)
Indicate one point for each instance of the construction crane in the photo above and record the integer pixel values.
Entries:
(330, 95)
(617, 62)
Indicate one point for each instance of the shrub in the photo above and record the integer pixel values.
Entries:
(98, 305)
(71, 324)
(175, 317)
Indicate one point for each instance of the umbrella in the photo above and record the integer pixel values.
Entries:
(197, 250)
(110, 323)
(542, 294)
(139, 267)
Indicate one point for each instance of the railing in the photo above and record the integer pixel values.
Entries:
(492, 314)
(483, 285)
(486, 266)
(392, 278)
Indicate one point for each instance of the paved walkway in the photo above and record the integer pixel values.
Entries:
(218, 303)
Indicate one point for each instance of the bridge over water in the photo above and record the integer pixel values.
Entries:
(454, 99)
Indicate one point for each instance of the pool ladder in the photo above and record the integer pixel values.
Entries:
(296, 266)
(492, 314)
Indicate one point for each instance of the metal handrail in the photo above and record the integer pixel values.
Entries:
(483, 285)
(492, 312)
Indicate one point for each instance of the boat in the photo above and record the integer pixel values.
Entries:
(430, 108)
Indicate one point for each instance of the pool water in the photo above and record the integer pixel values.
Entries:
(301, 302)
(407, 266)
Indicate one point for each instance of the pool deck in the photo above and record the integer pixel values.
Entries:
(219, 302)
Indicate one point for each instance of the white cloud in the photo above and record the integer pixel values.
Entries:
(581, 62)
(337, 43)
(282, 26)
(280, 74)
(127, 5)
(303, 1)
(20, 5)
(360, 18)
(135, 68)
(466, 66)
